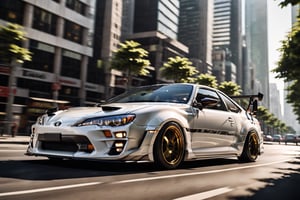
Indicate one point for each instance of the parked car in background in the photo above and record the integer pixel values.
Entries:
(268, 138)
(277, 138)
(292, 138)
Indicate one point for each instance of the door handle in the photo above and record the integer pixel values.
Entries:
(230, 120)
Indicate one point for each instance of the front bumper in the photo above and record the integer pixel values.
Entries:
(130, 143)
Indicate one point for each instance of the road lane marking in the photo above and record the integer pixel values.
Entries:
(197, 173)
(48, 189)
(206, 195)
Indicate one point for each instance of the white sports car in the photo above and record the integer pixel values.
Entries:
(165, 124)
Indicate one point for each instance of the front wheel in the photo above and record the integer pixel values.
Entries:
(169, 147)
(251, 148)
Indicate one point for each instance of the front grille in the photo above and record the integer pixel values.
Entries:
(60, 146)
(66, 143)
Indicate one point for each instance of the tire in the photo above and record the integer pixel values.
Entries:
(251, 148)
(169, 147)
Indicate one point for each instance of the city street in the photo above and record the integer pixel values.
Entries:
(275, 175)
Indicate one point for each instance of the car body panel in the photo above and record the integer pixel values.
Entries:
(208, 133)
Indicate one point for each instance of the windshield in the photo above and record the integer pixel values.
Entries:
(175, 93)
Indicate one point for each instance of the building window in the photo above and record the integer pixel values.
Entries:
(12, 11)
(70, 94)
(71, 63)
(44, 21)
(73, 32)
(93, 96)
(76, 5)
(42, 58)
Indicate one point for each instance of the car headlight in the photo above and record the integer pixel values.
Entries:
(118, 120)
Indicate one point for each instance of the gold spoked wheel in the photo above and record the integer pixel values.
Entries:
(251, 148)
(169, 147)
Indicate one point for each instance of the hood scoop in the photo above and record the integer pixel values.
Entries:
(110, 108)
(51, 111)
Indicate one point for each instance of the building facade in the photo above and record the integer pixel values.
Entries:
(108, 30)
(195, 31)
(155, 27)
(60, 36)
(256, 29)
(227, 36)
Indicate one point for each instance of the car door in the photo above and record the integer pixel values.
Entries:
(214, 127)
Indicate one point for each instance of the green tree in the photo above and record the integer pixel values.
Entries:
(13, 54)
(289, 62)
(207, 79)
(178, 69)
(230, 88)
(11, 37)
(290, 130)
(287, 2)
(131, 59)
(269, 122)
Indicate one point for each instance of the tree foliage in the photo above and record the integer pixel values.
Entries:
(11, 37)
(287, 2)
(230, 88)
(288, 65)
(131, 59)
(207, 79)
(270, 120)
(179, 69)
(289, 62)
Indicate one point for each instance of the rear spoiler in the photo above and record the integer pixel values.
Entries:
(259, 96)
(252, 106)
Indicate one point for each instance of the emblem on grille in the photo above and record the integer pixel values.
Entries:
(57, 123)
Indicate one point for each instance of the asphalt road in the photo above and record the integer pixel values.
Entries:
(276, 175)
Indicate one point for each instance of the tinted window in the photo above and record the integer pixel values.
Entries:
(230, 105)
(44, 21)
(203, 93)
(175, 93)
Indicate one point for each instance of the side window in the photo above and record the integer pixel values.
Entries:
(202, 93)
(230, 105)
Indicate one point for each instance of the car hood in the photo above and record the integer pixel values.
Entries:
(76, 114)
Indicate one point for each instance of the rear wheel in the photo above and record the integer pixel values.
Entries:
(251, 148)
(169, 147)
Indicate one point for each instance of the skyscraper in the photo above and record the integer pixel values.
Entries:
(107, 36)
(195, 31)
(155, 26)
(257, 44)
(227, 35)
(158, 15)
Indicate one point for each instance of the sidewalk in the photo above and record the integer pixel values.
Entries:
(18, 139)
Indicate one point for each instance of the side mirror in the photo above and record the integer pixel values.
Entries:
(197, 104)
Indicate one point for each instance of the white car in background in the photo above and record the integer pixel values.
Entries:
(165, 124)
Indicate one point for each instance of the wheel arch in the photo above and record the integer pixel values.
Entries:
(245, 155)
(168, 154)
